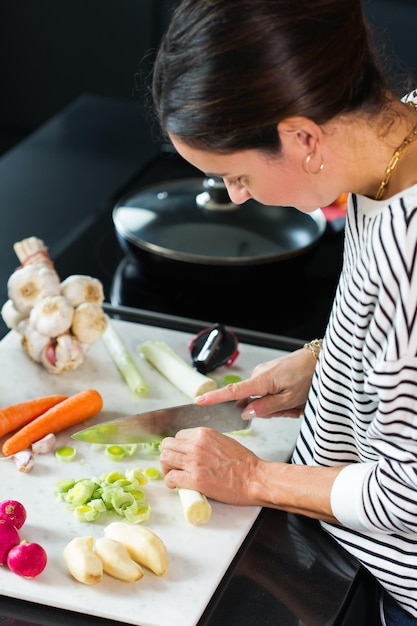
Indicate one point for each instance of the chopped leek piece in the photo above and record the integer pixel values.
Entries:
(152, 473)
(66, 453)
(153, 447)
(130, 448)
(137, 475)
(115, 453)
(123, 361)
(65, 484)
(112, 477)
(231, 378)
(81, 492)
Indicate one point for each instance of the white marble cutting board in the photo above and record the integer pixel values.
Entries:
(199, 556)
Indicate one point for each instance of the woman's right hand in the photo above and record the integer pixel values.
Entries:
(278, 387)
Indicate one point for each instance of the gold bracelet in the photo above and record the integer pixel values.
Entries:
(314, 347)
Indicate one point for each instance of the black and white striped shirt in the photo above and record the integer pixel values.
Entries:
(362, 407)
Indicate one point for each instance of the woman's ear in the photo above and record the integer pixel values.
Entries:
(300, 133)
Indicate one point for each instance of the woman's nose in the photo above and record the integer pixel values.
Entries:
(237, 194)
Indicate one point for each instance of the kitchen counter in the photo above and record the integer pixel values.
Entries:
(288, 571)
(281, 574)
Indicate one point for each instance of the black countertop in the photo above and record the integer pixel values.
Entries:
(60, 185)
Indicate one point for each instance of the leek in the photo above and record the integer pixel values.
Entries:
(123, 361)
(176, 370)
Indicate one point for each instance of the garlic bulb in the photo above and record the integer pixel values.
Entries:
(52, 316)
(89, 322)
(63, 354)
(58, 321)
(30, 283)
(79, 288)
(11, 316)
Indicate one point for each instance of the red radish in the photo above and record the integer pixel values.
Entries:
(14, 512)
(9, 537)
(27, 559)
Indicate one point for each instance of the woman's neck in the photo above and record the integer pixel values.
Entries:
(368, 148)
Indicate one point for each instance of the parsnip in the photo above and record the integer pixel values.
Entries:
(116, 560)
(197, 509)
(143, 545)
(82, 562)
(176, 370)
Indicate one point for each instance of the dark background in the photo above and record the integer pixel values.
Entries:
(53, 51)
(74, 139)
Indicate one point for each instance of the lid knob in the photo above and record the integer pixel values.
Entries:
(215, 196)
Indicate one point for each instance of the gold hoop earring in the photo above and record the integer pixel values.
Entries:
(307, 165)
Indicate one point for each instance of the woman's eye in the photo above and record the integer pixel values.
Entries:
(235, 181)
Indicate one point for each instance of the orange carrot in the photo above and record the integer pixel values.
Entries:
(17, 415)
(67, 413)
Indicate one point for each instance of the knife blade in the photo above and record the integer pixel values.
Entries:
(153, 426)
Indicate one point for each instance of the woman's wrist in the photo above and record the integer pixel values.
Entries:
(314, 347)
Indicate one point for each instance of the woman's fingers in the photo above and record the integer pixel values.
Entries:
(233, 391)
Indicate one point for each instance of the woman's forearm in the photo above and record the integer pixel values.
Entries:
(294, 488)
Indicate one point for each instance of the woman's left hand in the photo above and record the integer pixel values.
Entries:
(210, 462)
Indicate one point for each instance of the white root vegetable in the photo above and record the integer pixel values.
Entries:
(144, 546)
(52, 316)
(11, 316)
(62, 354)
(176, 370)
(197, 509)
(89, 322)
(31, 283)
(117, 561)
(123, 361)
(82, 562)
(79, 288)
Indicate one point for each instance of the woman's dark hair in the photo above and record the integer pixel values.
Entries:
(228, 71)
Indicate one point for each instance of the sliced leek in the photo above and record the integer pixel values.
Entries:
(197, 508)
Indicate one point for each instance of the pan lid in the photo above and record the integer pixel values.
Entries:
(193, 220)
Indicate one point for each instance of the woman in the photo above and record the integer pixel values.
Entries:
(286, 102)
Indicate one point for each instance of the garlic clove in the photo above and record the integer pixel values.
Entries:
(24, 461)
(79, 288)
(89, 322)
(33, 342)
(44, 445)
(63, 354)
(29, 284)
(52, 316)
(11, 316)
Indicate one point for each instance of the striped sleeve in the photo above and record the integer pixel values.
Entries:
(362, 407)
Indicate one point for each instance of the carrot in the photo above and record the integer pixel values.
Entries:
(17, 415)
(67, 413)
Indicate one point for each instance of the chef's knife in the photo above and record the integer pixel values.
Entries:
(153, 426)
